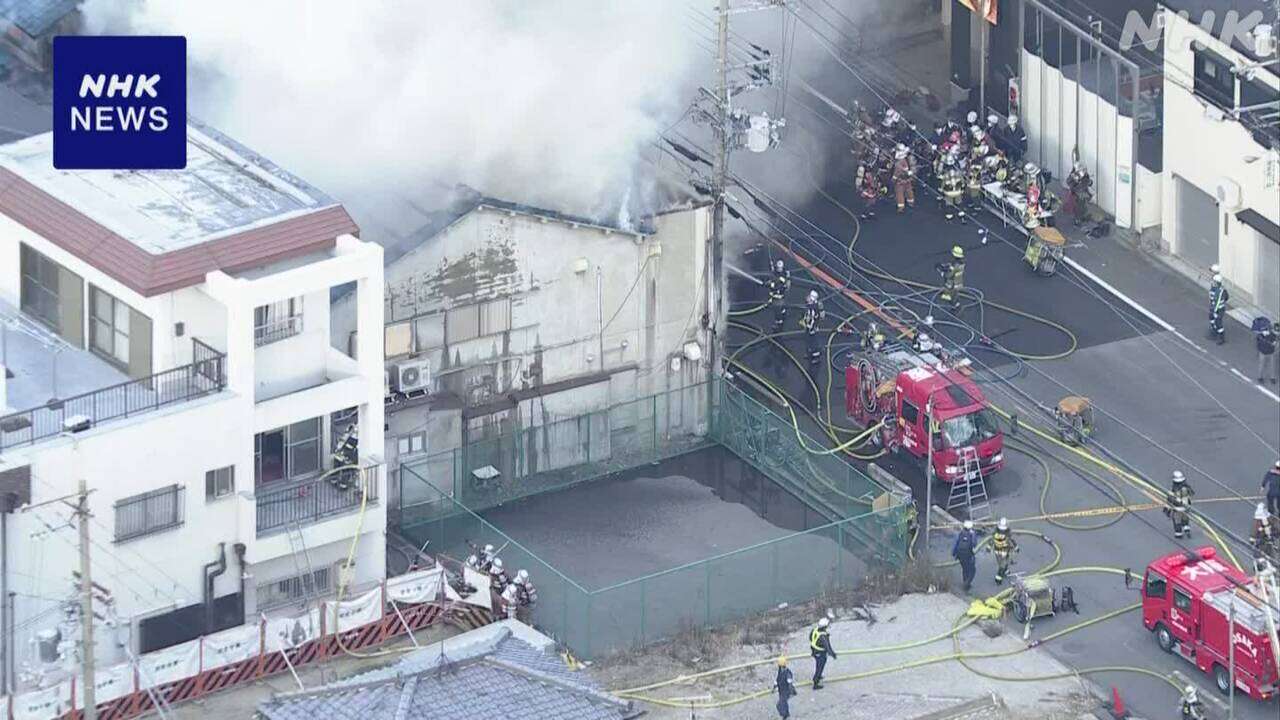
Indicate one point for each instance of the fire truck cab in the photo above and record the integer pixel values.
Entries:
(1187, 602)
(903, 389)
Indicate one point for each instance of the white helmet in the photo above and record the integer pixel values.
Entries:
(1217, 278)
(522, 576)
(972, 117)
(901, 151)
(488, 549)
(779, 266)
(924, 338)
(1012, 120)
(1003, 524)
(823, 622)
(993, 119)
(1191, 693)
(813, 296)
(497, 563)
(1260, 512)
(968, 524)
(1178, 477)
(1215, 268)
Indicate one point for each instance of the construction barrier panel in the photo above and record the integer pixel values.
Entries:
(249, 652)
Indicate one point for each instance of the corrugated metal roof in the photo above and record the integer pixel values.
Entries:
(510, 679)
(36, 17)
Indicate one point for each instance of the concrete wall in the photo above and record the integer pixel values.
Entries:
(562, 279)
(1204, 152)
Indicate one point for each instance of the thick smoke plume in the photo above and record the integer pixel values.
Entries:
(549, 103)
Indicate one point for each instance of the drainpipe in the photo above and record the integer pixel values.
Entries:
(600, 312)
(5, 638)
(239, 549)
(221, 566)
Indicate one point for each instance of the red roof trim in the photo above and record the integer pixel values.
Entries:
(149, 274)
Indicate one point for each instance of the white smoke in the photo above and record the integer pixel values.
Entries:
(546, 103)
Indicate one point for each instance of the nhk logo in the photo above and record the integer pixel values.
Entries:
(119, 103)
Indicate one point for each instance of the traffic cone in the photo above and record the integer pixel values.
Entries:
(1118, 710)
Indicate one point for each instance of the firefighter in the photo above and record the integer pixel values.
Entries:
(497, 576)
(482, 560)
(974, 180)
(1003, 545)
(872, 338)
(993, 126)
(1031, 215)
(904, 178)
(813, 312)
(511, 601)
(952, 183)
(1192, 706)
(1079, 194)
(527, 593)
(1218, 297)
(1264, 532)
(953, 277)
(963, 550)
(1271, 488)
(1178, 505)
(778, 286)
(820, 646)
(786, 685)
(971, 121)
(868, 186)
(1014, 140)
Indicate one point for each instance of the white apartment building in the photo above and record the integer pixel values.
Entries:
(1222, 158)
(502, 317)
(166, 339)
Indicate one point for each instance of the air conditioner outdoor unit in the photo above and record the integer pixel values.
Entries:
(412, 375)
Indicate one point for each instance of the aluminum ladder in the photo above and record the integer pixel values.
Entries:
(302, 563)
(970, 491)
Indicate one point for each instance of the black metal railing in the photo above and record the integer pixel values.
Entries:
(150, 512)
(205, 376)
(309, 501)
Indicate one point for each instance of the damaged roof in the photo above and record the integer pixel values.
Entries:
(36, 17)
(494, 675)
(159, 230)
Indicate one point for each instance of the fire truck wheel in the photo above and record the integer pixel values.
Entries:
(1164, 638)
(1222, 679)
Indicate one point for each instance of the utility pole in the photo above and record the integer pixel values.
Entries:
(716, 282)
(87, 674)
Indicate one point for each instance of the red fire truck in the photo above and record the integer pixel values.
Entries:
(1187, 601)
(903, 388)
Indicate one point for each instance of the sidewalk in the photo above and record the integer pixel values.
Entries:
(1167, 297)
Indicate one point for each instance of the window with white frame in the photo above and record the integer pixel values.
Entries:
(411, 444)
(277, 321)
(220, 483)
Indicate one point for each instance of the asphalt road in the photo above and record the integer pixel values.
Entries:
(1163, 404)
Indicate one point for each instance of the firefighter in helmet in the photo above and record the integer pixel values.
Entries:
(813, 312)
(872, 338)
(778, 286)
(952, 183)
(1003, 545)
(1192, 705)
(952, 277)
(904, 178)
(1178, 505)
(1265, 533)
(1218, 297)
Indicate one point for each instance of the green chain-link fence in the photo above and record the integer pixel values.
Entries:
(790, 569)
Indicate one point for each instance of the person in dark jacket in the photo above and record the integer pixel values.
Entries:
(786, 685)
(1271, 488)
(820, 646)
(966, 544)
(1267, 352)
(1218, 298)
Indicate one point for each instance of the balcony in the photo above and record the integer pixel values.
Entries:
(205, 375)
(305, 502)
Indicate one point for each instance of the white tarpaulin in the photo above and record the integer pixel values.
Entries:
(169, 665)
(114, 682)
(416, 587)
(231, 646)
(285, 633)
(358, 611)
(42, 704)
(479, 581)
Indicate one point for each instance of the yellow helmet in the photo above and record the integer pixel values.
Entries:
(782, 661)
(957, 252)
